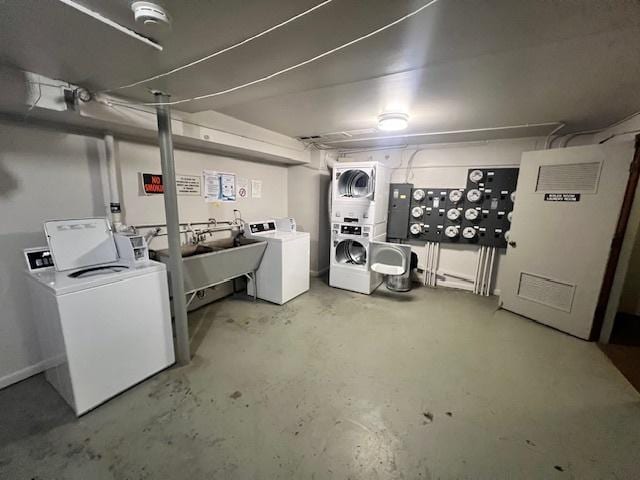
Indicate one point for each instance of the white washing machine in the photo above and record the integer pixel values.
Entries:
(103, 323)
(360, 258)
(284, 271)
(360, 192)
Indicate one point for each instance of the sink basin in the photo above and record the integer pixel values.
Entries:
(191, 250)
(211, 263)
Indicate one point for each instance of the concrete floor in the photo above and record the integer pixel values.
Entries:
(433, 384)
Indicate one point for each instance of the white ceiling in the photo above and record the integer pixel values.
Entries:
(460, 64)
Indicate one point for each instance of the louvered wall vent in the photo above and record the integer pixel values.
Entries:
(548, 292)
(569, 178)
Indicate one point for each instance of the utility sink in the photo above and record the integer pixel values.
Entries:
(211, 263)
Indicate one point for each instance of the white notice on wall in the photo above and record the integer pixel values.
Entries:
(218, 186)
(188, 184)
(242, 185)
(211, 182)
(256, 188)
(228, 187)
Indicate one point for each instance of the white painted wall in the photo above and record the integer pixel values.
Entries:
(308, 195)
(140, 209)
(44, 175)
(446, 166)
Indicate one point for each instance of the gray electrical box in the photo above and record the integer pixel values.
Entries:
(399, 205)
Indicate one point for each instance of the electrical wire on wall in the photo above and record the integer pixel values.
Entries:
(220, 52)
(292, 67)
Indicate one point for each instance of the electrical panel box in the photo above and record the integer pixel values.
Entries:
(399, 204)
(496, 187)
(478, 214)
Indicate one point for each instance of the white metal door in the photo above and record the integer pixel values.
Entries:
(390, 258)
(567, 205)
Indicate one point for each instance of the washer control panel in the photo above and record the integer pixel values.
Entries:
(351, 230)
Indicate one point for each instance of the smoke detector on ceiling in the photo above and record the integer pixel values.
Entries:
(150, 13)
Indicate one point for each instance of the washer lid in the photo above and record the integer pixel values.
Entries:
(60, 283)
(283, 236)
(80, 243)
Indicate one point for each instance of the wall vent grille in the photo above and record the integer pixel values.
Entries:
(545, 291)
(569, 178)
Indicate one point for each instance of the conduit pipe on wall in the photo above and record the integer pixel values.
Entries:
(434, 269)
(115, 209)
(427, 247)
(489, 278)
(475, 272)
(487, 256)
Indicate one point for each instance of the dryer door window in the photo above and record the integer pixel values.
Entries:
(351, 252)
(355, 183)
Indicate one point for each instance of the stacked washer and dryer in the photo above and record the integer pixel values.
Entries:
(359, 254)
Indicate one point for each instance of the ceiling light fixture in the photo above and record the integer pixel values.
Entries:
(393, 122)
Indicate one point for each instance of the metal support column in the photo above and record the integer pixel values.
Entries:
(163, 112)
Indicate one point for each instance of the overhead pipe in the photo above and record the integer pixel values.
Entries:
(176, 276)
(450, 132)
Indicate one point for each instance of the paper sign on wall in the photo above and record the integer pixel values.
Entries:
(256, 188)
(242, 185)
(219, 187)
(228, 187)
(188, 184)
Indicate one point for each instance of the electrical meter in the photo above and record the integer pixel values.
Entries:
(476, 175)
(415, 228)
(455, 196)
(453, 214)
(471, 214)
(513, 197)
(510, 216)
(469, 232)
(416, 212)
(452, 231)
(418, 195)
(474, 195)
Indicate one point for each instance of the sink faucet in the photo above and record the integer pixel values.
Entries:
(237, 217)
